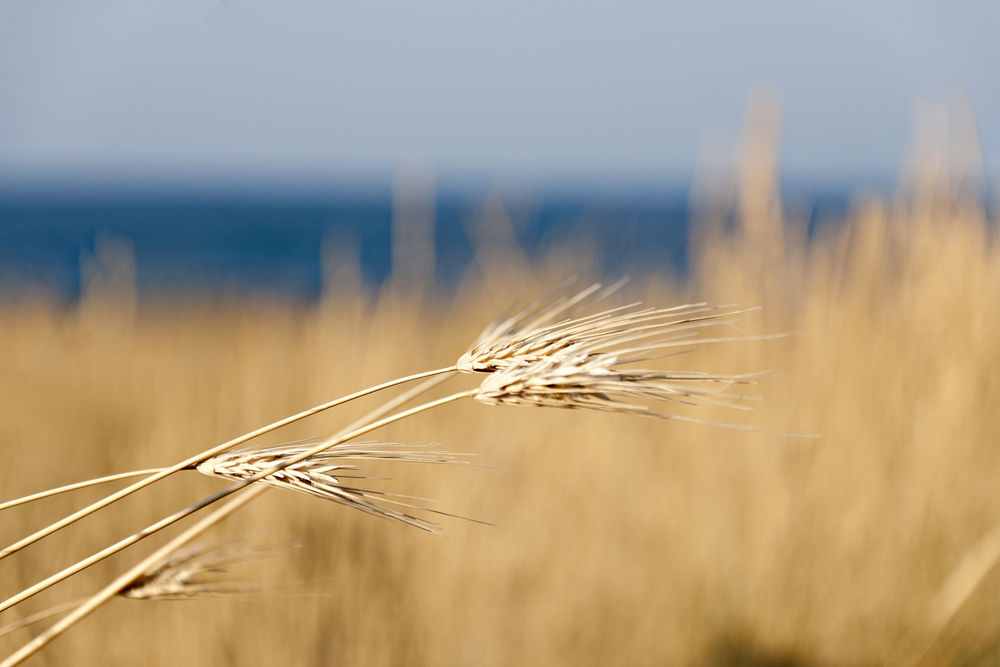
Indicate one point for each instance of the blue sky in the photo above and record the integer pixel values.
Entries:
(240, 91)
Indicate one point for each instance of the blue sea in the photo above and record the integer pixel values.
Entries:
(251, 242)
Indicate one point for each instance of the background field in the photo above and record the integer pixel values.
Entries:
(616, 540)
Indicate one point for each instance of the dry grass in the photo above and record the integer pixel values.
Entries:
(617, 540)
(201, 570)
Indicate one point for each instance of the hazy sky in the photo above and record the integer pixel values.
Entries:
(239, 89)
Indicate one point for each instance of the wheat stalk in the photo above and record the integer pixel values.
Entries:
(77, 485)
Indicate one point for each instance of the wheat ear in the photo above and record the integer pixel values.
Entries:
(186, 574)
(537, 333)
(325, 475)
(194, 572)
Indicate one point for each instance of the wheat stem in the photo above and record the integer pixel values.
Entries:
(75, 486)
(194, 460)
(394, 403)
(40, 616)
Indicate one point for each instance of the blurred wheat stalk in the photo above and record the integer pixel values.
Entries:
(873, 547)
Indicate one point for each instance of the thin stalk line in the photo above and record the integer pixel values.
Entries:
(75, 486)
(394, 403)
(40, 616)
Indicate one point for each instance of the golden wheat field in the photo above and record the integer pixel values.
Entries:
(615, 539)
